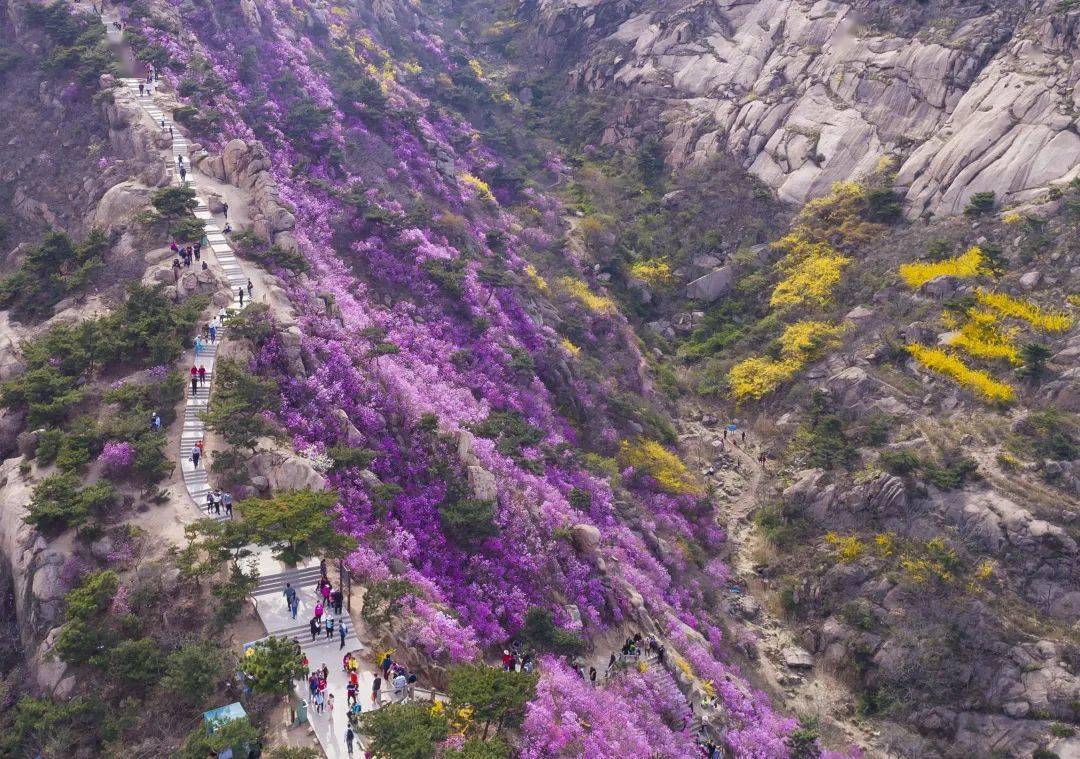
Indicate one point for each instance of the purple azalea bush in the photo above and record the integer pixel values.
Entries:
(117, 455)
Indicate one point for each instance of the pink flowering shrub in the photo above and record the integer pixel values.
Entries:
(117, 455)
(637, 714)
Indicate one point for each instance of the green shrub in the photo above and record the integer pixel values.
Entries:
(78, 45)
(346, 457)
(193, 670)
(174, 202)
(981, 203)
(467, 520)
(383, 600)
(52, 270)
(952, 472)
(188, 229)
(58, 502)
(898, 462)
(541, 631)
(237, 404)
(821, 438)
(510, 431)
(448, 274)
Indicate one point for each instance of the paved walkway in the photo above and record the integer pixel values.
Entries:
(269, 597)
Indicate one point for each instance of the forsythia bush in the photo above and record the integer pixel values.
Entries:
(979, 381)
(757, 377)
(1027, 311)
(982, 338)
(569, 346)
(802, 339)
(967, 264)
(599, 304)
(848, 547)
(538, 281)
(812, 270)
(653, 459)
(655, 271)
(479, 186)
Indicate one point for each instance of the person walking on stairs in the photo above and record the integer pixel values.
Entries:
(250, 287)
(291, 599)
(329, 628)
(142, 89)
(225, 209)
(240, 295)
(343, 630)
(202, 375)
(194, 384)
(183, 175)
(195, 455)
(376, 686)
(314, 626)
(227, 500)
(349, 737)
(198, 346)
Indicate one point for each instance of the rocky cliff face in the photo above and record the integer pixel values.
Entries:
(961, 98)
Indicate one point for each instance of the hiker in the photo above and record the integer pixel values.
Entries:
(201, 446)
(330, 705)
(202, 375)
(592, 675)
(507, 660)
(376, 685)
(142, 89)
(194, 384)
(329, 627)
(225, 209)
(318, 613)
(350, 694)
(198, 345)
(194, 372)
(291, 599)
(250, 287)
(195, 457)
(349, 735)
(343, 631)
(170, 132)
(744, 436)
(155, 422)
(227, 229)
(325, 591)
(174, 247)
(180, 160)
(163, 124)
(399, 686)
(387, 662)
(314, 626)
(183, 174)
(209, 501)
(213, 333)
(240, 295)
(227, 498)
(336, 599)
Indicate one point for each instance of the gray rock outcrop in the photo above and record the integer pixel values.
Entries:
(805, 94)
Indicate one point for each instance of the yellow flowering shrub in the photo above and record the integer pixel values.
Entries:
(412, 67)
(809, 277)
(653, 459)
(538, 281)
(979, 381)
(848, 547)
(968, 264)
(836, 218)
(599, 304)
(982, 338)
(569, 346)
(886, 543)
(802, 339)
(476, 68)
(756, 377)
(1012, 218)
(479, 186)
(655, 271)
(984, 571)
(1017, 308)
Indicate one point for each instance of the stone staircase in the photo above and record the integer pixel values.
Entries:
(196, 479)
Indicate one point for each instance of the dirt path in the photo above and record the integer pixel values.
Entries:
(742, 485)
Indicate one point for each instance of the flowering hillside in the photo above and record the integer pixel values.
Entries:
(434, 354)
